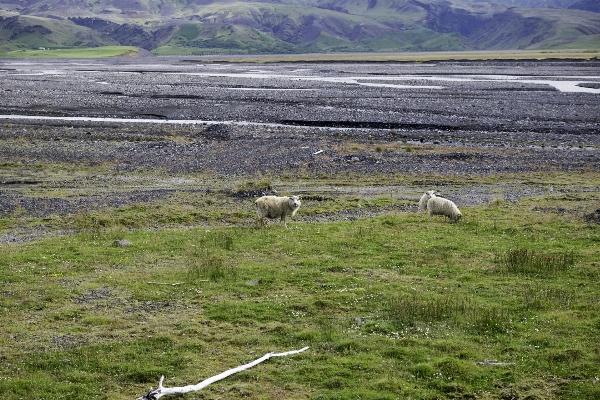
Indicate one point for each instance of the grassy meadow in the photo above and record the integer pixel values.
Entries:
(88, 52)
(424, 56)
(504, 304)
(228, 56)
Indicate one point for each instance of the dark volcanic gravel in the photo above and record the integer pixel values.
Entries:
(183, 116)
(499, 104)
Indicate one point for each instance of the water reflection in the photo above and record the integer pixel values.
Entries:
(139, 120)
(565, 84)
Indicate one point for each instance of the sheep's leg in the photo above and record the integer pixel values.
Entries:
(284, 221)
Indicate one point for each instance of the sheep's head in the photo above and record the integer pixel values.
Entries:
(294, 201)
(431, 193)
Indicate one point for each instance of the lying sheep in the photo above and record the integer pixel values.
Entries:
(276, 207)
(442, 206)
(423, 200)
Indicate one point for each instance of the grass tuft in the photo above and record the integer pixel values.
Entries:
(459, 310)
(209, 267)
(531, 262)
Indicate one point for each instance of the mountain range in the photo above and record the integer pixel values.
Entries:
(194, 27)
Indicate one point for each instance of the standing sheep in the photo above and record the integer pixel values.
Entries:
(276, 207)
(423, 200)
(445, 207)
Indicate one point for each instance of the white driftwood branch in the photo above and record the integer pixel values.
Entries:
(494, 363)
(165, 283)
(163, 391)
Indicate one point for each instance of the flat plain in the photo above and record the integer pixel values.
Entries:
(170, 153)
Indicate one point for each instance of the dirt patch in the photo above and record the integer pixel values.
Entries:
(593, 217)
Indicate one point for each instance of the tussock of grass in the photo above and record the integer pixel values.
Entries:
(465, 313)
(528, 261)
(208, 267)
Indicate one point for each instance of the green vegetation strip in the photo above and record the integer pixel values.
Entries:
(391, 306)
(91, 52)
(425, 56)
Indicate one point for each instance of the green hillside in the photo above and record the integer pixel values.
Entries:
(197, 39)
(30, 32)
(540, 29)
(171, 27)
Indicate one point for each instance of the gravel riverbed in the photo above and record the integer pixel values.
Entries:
(183, 117)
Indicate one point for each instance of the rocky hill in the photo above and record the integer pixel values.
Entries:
(170, 27)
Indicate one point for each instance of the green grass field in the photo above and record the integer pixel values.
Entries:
(221, 55)
(91, 52)
(392, 307)
(424, 56)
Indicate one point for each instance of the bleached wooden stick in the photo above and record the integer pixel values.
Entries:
(163, 391)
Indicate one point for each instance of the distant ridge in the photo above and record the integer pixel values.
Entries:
(197, 27)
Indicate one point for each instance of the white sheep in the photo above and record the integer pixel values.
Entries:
(445, 207)
(276, 207)
(423, 200)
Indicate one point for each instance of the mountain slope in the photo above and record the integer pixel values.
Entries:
(296, 26)
(25, 32)
(538, 29)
